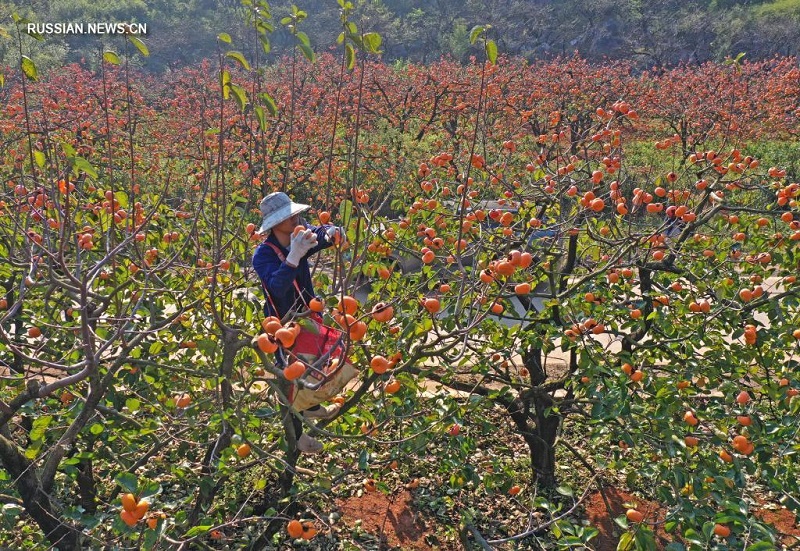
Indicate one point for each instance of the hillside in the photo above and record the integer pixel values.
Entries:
(649, 33)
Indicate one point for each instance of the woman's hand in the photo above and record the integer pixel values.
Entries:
(336, 235)
(302, 242)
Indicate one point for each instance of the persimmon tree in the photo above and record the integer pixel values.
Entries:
(79, 303)
(728, 103)
(639, 320)
(640, 287)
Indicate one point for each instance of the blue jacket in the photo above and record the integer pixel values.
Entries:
(277, 277)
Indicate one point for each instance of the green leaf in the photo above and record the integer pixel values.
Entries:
(475, 33)
(708, 529)
(621, 521)
(79, 164)
(239, 95)
(372, 43)
(692, 536)
(266, 46)
(122, 198)
(269, 102)
(645, 539)
(423, 327)
(23, 22)
(260, 484)
(132, 404)
(625, 542)
(40, 427)
(111, 57)
(680, 477)
(303, 38)
(127, 481)
(198, 530)
(96, 429)
(346, 212)
(240, 58)
(224, 37)
(261, 117)
(565, 491)
(2, 80)
(356, 40)
(491, 51)
(308, 53)
(39, 158)
(363, 460)
(762, 546)
(150, 538)
(350, 56)
(29, 68)
(11, 510)
(150, 489)
(33, 450)
(139, 45)
(225, 83)
(557, 533)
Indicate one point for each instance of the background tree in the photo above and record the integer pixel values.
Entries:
(664, 33)
(518, 219)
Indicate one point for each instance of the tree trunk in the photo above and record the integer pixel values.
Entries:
(542, 445)
(286, 478)
(207, 492)
(541, 435)
(37, 503)
(87, 486)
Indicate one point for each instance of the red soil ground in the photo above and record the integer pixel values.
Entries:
(397, 525)
(391, 518)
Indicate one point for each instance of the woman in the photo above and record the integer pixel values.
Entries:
(281, 262)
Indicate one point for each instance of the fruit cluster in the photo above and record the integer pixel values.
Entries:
(298, 529)
(133, 509)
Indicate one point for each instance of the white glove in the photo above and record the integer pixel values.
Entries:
(300, 244)
(333, 231)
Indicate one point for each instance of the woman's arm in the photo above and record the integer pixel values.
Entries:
(278, 276)
(323, 242)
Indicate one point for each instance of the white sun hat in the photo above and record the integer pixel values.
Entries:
(277, 207)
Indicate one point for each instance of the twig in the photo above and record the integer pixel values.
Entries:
(4, 498)
(596, 476)
(550, 522)
(479, 539)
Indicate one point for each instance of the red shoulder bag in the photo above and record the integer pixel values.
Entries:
(323, 350)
